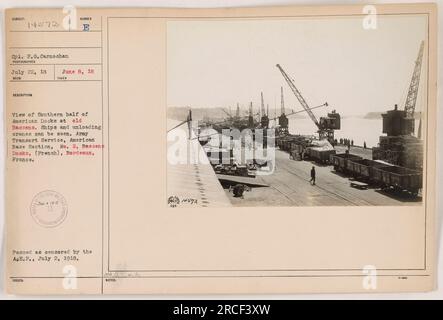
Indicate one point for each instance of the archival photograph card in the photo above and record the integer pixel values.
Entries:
(221, 151)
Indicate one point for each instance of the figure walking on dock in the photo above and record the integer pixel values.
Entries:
(312, 181)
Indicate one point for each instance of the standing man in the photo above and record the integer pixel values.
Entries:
(312, 181)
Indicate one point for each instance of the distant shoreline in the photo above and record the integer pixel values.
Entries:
(377, 115)
(219, 113)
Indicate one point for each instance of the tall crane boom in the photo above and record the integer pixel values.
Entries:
(300, 111)
(299, 97)
(262, 105)
(282, 102)
(411, 99)
(227, 113)
(250, 117)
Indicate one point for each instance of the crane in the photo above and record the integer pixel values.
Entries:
(227, 113)
(402, 122)
(282, 100)
(406, 149)
(299, 97)
(300, 111)
(264, 117)
(327, 125)
(411, 98)
(262, 105)
(283, 121)
(250, 117)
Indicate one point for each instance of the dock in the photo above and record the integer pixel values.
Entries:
(193, 184)
(289, 185)
(365, 153)
(197, 185)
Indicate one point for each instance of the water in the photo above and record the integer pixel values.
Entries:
(358, 129)
(354, 128)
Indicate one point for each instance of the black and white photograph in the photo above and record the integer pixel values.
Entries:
(219, 149)
(309, 111)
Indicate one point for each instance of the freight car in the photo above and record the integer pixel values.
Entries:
(319, 155)
(399, 178)
(379, 173)
(341, 161)
(296, 152)
(294, 144)
(285, 143)
(364, 169)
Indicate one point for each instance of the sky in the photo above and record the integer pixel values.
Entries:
(217, 63)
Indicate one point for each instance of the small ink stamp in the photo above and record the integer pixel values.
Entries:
(173, 201)
(49, 208)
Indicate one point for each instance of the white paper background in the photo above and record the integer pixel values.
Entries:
(216, 4)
